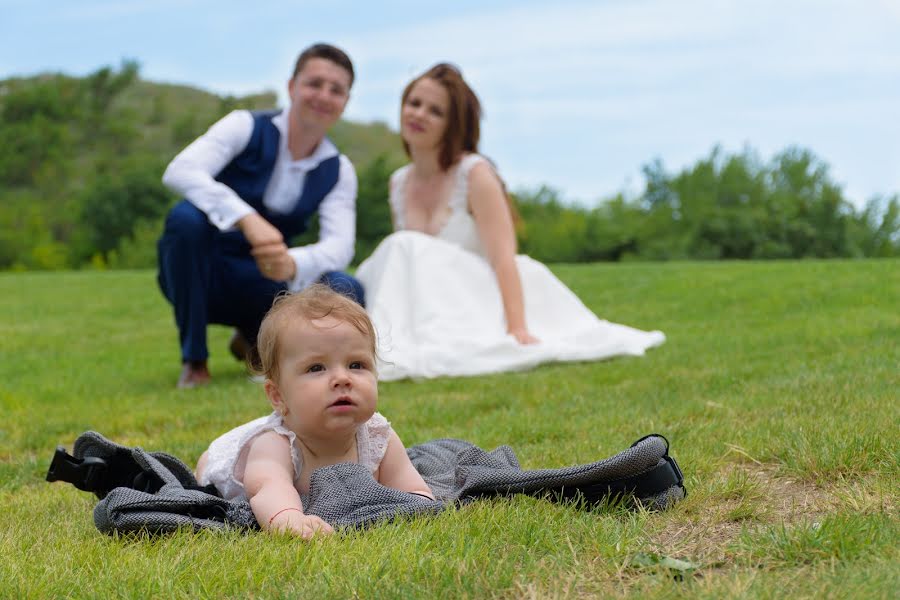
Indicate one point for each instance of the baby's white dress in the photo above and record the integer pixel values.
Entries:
(437, 309)
(227, 454)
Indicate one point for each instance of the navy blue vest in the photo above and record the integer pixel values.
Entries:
(249, 172)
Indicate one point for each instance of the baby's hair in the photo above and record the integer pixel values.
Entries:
(315, 302)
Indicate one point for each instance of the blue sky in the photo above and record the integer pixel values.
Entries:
(577, 95)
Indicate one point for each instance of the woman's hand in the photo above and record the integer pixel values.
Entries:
(523, 337)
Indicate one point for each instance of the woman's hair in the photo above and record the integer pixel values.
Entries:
(463, 121)
(463, 116)
(315, 302)
(328, 52)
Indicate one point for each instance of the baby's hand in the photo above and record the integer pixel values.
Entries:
(306, 526)
(298, 523)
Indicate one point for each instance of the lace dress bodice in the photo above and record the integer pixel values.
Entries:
(460, 228)
(227, 454)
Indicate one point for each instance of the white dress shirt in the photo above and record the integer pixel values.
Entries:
(191, 174)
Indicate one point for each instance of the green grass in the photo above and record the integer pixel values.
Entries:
(778, 389)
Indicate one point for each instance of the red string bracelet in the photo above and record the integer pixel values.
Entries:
(283, 510)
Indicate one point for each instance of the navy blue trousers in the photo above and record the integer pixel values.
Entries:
(210, 277)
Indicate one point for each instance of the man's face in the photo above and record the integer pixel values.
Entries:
(319, 93)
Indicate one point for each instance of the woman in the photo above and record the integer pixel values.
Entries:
(446, 292)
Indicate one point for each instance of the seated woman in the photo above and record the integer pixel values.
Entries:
(447, 293)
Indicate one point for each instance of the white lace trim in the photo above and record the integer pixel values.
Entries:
(372, 441)
(226, 451)
(296, 455)
(460, 197)
(397, 199)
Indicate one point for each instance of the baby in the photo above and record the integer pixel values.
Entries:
(317, 351)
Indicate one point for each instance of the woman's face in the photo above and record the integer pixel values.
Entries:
(423, 116)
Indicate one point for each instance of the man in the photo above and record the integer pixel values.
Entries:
(251, 183)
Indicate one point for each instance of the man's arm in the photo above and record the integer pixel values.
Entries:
(191, 173)
(337, 232)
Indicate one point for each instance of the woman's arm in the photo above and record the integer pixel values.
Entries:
(490, 209)
(269, 484)
(397, 471)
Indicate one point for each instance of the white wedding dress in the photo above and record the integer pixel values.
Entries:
(437, 310)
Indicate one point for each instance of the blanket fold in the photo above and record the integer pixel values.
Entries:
(156, 492)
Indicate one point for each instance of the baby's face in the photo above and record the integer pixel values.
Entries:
(327, 377)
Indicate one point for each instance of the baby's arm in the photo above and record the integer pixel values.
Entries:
(269, 483)
(397, 471)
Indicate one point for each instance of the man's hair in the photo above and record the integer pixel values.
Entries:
(328, 52)
(315, 302)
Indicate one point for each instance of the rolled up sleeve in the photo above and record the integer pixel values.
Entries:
(192, 172)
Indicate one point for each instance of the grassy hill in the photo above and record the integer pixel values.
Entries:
(777, 388)
(176, 114)
(162, 117)
(81, 161)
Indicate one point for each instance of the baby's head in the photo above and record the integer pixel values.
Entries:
(314, 303)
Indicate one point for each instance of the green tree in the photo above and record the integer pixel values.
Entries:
(613, 230)
(102, 88)
(34, 126)
(551, 231)
(373, 212)
(117, 198)
(875, 231)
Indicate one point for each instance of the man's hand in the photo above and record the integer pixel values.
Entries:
(268, 248)
(274, 262)
(258, 231)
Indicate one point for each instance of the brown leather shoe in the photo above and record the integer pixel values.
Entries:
(193, 374)
(243, 350)
(239, 346)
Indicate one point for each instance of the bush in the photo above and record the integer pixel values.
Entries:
(119, 197)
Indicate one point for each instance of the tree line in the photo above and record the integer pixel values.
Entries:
(726, 206)
(81, 161)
